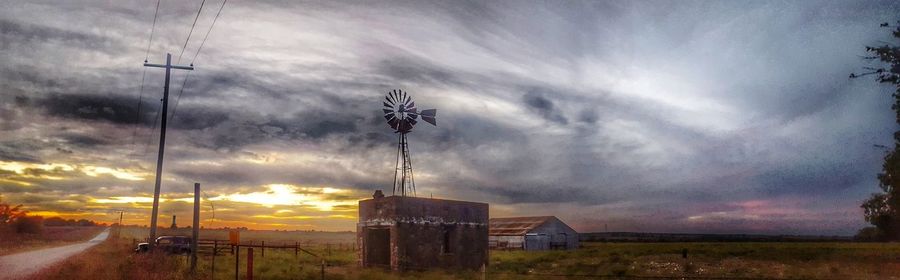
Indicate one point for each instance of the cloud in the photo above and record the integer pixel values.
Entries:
(543, 106)
(640, 114)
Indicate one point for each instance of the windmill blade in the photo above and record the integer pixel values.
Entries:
(411, 105)
(411, 110)
(428, 112)
(386, 105)
(412, 121)
(386, 97)
(413, 116)
(404, 126)
(402, 96)
(408, 99)
(393, 94)
(393, 122)
(430, 120)
(388, 117)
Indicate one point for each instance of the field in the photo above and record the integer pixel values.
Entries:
(784, 260)
(49, 237)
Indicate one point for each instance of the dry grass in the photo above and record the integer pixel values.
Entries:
(113, 259)
(50, 237)
(729, 260)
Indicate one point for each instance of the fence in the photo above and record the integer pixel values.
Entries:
(210, 249)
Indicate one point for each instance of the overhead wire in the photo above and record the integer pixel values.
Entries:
(191, 31)
(144, 74)
(150, 139)
(196, 54)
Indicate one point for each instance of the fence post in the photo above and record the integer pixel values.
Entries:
(323, 269)
(296, 247)
(237, 261)
(250, 263)
(263, 252)
(483, 271)
(195, 228)
(212, 274)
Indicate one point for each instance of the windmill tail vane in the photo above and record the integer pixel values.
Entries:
(401, 114)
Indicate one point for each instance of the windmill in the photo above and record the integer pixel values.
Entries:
(401, 114)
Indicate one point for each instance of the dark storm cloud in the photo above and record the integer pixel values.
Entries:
(113, 108)
(10, 154)
(536, 101)
(83, 140)
(648, 113)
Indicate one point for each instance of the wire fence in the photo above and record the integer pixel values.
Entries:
(242, 264)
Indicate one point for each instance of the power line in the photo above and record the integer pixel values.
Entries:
(208, 31)
(152, 29)
(192, 31)
(180, 91)
(147, 146)
(202, 43)
(144, 75)
(140, 100)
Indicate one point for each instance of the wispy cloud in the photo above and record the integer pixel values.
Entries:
(642, 115)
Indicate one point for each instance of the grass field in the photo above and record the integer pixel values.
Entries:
(612, 260)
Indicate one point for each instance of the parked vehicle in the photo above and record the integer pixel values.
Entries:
(168, 244)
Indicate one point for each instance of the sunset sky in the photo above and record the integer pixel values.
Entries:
(663, 116)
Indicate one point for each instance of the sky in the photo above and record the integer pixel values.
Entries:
(655, 116)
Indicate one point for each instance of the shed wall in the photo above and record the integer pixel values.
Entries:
(424, 232)
(559, 235)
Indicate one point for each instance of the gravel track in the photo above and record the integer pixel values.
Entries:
(23, 264)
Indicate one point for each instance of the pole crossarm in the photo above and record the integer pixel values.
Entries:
(171, 66)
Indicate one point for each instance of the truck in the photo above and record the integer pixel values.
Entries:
(168, 244)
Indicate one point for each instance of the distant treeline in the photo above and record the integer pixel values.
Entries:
(689, 237)
(57, 222)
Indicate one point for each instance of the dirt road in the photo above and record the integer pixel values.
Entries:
(20, 265)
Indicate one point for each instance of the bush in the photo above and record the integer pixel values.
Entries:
(29, 224)
(870, 234)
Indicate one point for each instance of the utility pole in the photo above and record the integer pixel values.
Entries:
(119, 228)
(162, 140)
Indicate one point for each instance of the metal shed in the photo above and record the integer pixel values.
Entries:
(531, 234)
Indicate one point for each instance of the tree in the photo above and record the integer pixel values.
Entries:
(9, 214)
(883, 209)
(29, 225)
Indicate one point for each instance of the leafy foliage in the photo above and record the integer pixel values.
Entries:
(9, 214)
(883, 209)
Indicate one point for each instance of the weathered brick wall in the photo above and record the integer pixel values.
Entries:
(421, 228)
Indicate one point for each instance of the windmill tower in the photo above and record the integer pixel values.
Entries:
(401, 114)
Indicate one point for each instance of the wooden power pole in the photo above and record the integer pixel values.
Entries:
(162, 140)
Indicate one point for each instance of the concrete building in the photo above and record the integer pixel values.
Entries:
(532, 233)
(413, 233)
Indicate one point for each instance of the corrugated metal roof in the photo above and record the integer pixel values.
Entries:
(516, 225)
